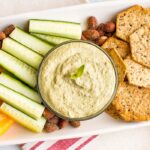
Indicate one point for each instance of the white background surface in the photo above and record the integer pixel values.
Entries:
(137, 139)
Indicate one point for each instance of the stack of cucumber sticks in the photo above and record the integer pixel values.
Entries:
(21, 55)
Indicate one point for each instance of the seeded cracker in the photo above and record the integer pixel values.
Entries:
(121, 47)
(111, 110)
(140, 45)
(119, 63)
(137, 74)
(132, 102)
(130, 20)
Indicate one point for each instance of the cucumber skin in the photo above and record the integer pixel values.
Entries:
(43, 30)
(23, 119)
(22, 53)
(39, 46)
(19, 87)
(51, 39)
(21, 70)
(21, 102)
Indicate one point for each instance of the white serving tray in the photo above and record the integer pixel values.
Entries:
(104, 11)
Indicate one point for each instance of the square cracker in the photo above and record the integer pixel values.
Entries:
(111, 110)
(137, 74)
(121, 47)
(119, 63)
(140, 45)
(130, 20)
(132, 103)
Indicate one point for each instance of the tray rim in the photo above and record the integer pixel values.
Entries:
(78, 6)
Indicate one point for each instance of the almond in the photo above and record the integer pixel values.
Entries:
(83, 38)
(47, 114)
(92, 22)
(101, 27)
(101, 40)
(50, 127)
(109, 27)
(91, 34)
(53, 120)
(75, 123)
(9, 29)
(63, 123)
(2, 35)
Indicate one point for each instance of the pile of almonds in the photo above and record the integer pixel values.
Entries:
(5, 33)
(54, 123)
(98, 33)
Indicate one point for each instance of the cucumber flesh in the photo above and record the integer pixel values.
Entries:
(56, 28)
(23, 119)
(19, 87)
(30, 41)
(21, 102)
(22, 53)
(51, 39)
(21, 70)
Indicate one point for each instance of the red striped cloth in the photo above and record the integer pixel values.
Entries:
(65, 144)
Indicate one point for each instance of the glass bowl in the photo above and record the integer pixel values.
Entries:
(81, 118)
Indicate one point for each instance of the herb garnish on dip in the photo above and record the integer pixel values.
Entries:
(78, 73)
